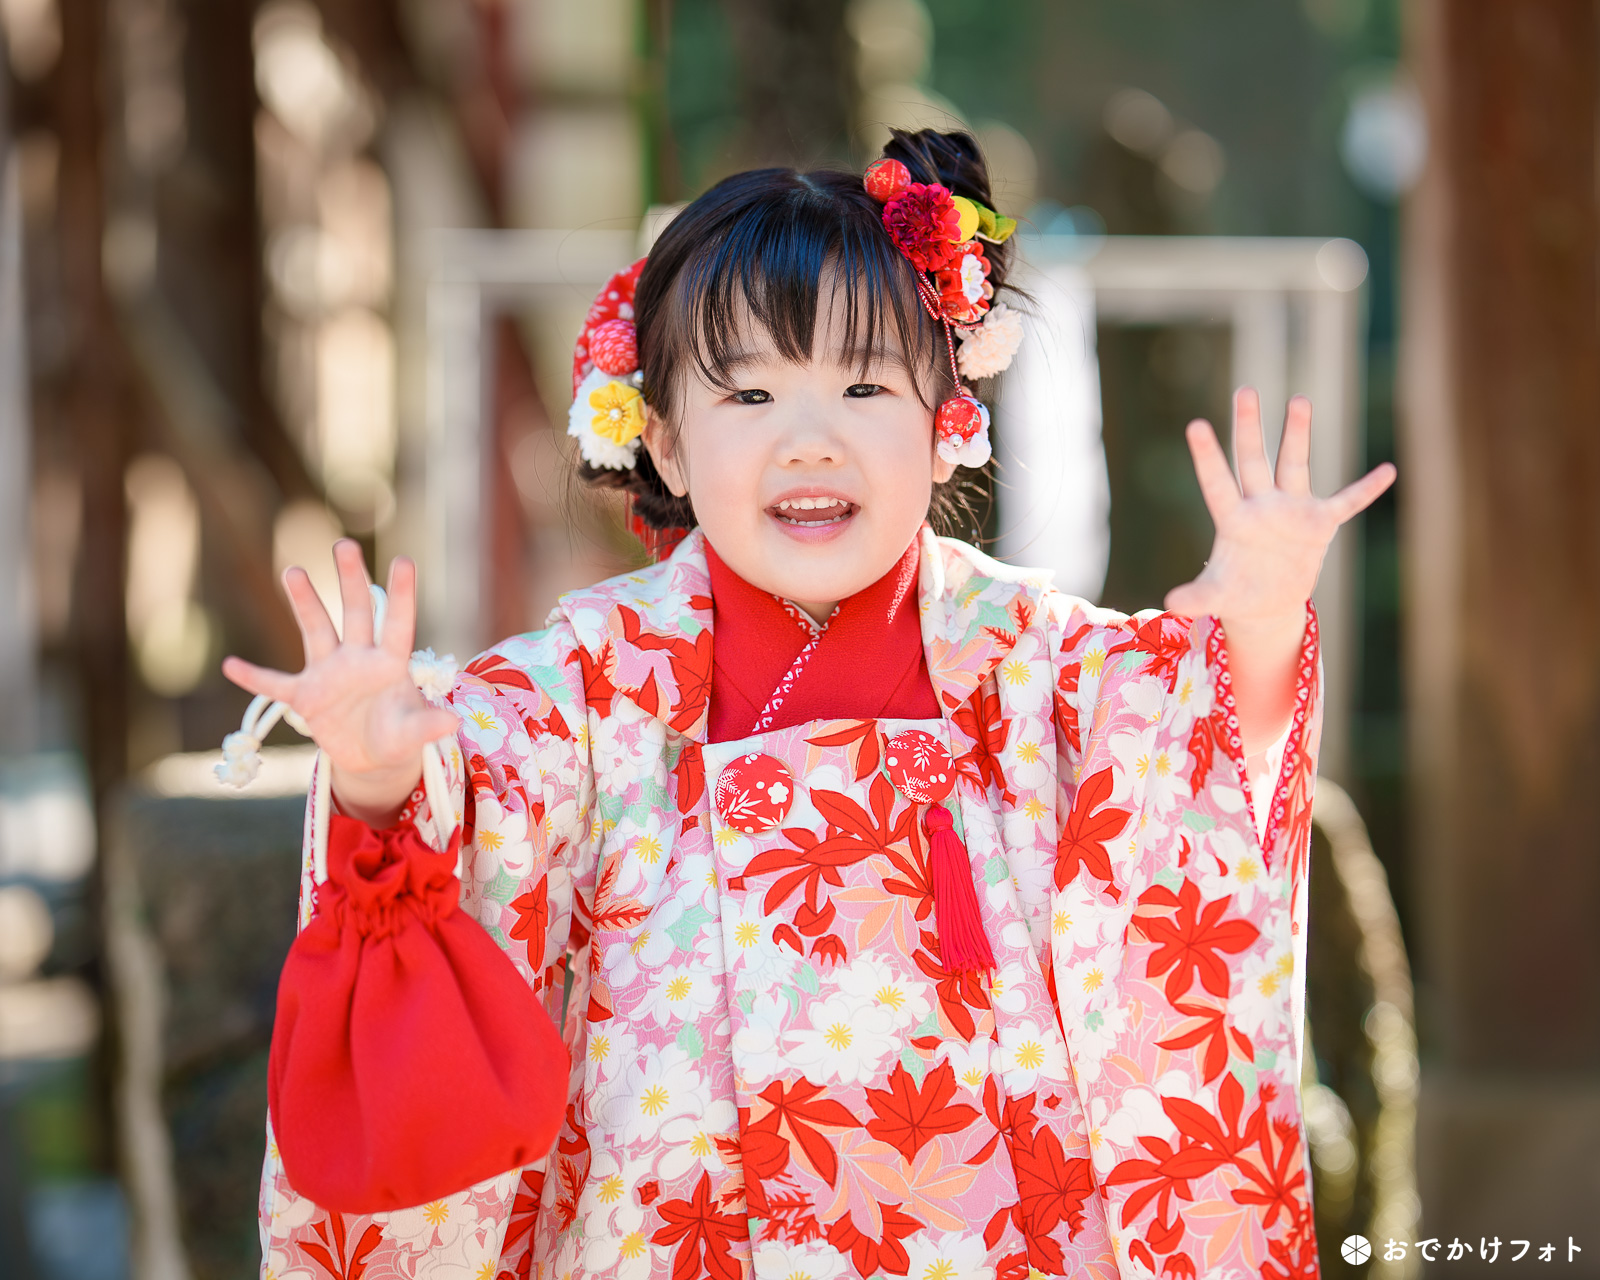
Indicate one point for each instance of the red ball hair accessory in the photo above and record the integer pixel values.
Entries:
(614, 302)
(886, 178)
(614, 348)
(962, 425)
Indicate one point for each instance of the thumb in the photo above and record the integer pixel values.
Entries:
(424, 724)
(1195, 599)
(435, 722)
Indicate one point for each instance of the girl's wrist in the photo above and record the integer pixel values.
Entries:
(1270, 629)
(374, 798)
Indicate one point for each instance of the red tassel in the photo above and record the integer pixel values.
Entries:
(658, 543)
(963, 945)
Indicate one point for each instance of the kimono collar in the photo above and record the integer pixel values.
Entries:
(867, 663)
(645, 638)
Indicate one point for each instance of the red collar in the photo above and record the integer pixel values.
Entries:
(867, 665)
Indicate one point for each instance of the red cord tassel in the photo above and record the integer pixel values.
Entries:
(963, 944)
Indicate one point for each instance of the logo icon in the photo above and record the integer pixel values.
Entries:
(1356, 1250)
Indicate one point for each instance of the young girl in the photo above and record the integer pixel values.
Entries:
(902, 916)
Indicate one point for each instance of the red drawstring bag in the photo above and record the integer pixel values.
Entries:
(410, 1059)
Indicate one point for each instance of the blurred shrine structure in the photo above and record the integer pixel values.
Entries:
(275, 272)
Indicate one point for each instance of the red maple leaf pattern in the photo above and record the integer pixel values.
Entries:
(1085, 832)
(1191, 943)
(801, 1111)
(1165, 638)
(908, 1116)
(861, 738)
(690, 661)
(329, 1247)
(981, 720)
(702, 1234)
(883, 1254)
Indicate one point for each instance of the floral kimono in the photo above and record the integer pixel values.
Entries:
(773, 1073)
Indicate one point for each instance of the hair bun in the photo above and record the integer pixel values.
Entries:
(954, 161)
(950, 159)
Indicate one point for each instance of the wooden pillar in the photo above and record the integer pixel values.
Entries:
(94, 405)
(1500, 475)
(211, 259)
(796, 79)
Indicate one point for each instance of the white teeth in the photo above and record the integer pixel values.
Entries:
(809, 504)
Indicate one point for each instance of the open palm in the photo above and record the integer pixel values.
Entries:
(1272, 531)
(356, 695)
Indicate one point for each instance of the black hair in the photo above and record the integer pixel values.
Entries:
(765, 243)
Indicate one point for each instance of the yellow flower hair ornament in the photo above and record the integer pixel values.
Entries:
(607, 419)
(607, 414)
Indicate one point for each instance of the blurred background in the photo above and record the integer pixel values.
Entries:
(275, 272)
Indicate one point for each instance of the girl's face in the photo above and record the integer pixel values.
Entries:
(810, 480)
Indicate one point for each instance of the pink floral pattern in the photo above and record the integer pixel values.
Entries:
(773, 1075)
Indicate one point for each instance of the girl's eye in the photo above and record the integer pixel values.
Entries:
(753, 395)
(861, 390)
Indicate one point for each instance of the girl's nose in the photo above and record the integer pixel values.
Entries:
(811, 437)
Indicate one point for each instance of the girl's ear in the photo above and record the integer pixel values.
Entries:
(942, 470)
(662, 448)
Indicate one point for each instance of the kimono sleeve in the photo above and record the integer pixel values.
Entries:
(1175, 929)
(521, 787)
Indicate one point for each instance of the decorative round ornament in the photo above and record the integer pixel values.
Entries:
(886, 178)
(962, 425)
(920, 766)
(754, 793)
(614, 348)
(614, 302)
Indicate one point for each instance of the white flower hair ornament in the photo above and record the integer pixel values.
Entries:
(942, 235)
(607, 414)
(990, 348)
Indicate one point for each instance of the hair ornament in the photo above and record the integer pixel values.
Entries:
(990, 348)
(962, 425)
(607, 414)
(940, 233)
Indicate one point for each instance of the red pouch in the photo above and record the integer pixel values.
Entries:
(409, 1058)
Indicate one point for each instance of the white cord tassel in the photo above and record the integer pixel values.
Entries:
(433, 674)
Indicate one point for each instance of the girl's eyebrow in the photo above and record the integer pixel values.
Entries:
(741, 359)
(873, 357)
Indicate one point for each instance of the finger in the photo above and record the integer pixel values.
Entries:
(1255, 476)
(400, 622)
(353, 584)
(433, 723)
(1294, 451)
(277, 685)
(1360, 494)
(316, 627)
(1211, 469)
(1195, 599)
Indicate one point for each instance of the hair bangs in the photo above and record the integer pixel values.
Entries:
(770, 270)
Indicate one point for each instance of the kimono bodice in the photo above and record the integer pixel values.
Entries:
(772, 1072)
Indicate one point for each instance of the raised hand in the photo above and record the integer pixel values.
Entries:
(356, 695)
(1272, 534)
(1272, 531)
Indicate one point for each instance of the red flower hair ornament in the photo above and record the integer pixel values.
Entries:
(939, 233)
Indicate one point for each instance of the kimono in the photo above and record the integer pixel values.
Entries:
(772, 1072)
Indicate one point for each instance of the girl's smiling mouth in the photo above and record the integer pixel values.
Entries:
(812, 517)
